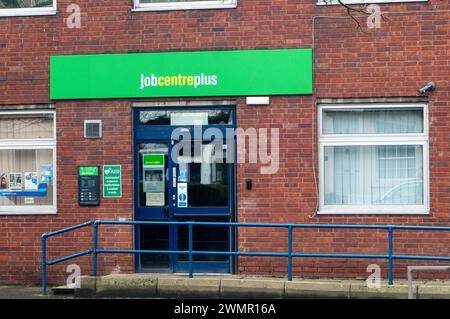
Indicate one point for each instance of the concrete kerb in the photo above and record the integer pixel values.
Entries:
(433, 291)
(360, 290)
(199, 287)
(317, 289)
(176, 286)
(252, 288)
(123, 285)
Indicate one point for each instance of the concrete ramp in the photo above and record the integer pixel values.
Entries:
(231, 286)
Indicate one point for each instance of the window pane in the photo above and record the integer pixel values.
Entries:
(26, 177)
(15, 4)
(203, 117)
(205, 172)
(373, 175)
(205, 238)
(30, 126)
(372, 121)
(154, 237)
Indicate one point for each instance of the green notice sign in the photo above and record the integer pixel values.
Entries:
(112, 181)
(88, 171)
(153, 160)
(211, 73)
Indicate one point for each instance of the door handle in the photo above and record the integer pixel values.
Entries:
(166, 212)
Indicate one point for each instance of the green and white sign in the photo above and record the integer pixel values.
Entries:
(112, 181)
(177, 74)
(153, 160)
(88, 171)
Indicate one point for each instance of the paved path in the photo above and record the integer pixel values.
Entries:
(23, 292)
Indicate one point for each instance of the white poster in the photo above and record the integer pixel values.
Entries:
(197, 118)
(28, 200)
(182, 195)
(31, 181)
(154, 199)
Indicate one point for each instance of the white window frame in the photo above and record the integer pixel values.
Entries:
(334, 2)
(369, 140)
(23, 144)
(20, 12)
(185, 5)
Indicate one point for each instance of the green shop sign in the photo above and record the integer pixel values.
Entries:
(112, 181)
(212, 73)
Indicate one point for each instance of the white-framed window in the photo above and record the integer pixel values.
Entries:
(149, 5)
(9, 8)
(27, 162)
(373, 158)
(335, 2)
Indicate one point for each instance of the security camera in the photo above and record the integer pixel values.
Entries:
(430, 87)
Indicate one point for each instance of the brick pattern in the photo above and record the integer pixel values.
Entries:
(409, 50)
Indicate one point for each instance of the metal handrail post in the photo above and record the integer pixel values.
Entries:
(94, 251)
(290, 253)
(190, 250)
(391, 260)
(44, 263)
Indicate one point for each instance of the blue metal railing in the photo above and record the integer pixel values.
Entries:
(191, 252)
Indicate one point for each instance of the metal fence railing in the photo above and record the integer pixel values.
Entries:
(289, 253)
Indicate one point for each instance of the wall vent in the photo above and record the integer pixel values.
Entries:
(92, 128)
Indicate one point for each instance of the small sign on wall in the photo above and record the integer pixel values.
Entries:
(88, 186)
(182, 195)
(112, 181)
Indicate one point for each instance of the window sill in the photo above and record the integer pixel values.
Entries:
(30, 211)
(27, 12)
(182, 6)
(384, 211)
(351, 2)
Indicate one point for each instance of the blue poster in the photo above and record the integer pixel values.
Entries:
(46, 173)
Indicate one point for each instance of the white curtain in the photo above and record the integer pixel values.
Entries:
(373, 121)
(376, 174)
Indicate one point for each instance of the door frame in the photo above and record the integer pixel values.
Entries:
(160, 134)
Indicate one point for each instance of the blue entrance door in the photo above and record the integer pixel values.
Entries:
(183, 179)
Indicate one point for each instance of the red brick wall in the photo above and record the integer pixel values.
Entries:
(394, 61)
(409, 50)
(21, 248)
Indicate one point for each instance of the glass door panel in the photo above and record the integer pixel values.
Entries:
(154, 237)
(203, 178)
(205, 238)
